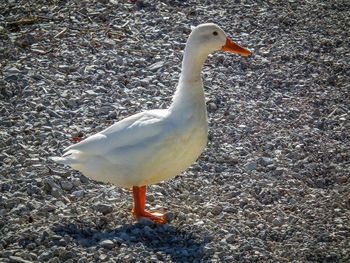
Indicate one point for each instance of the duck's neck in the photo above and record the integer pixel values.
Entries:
(190, 88)
(192, 63)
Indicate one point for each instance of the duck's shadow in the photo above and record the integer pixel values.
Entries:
(175, 241)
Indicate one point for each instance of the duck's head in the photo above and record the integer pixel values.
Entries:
(211, 37)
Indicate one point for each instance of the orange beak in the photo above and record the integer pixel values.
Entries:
(233, 47)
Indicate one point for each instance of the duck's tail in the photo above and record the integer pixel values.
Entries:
(69, 158)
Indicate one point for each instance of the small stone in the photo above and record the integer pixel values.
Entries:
(265, 161)
(102, 257)
(49, 184)
(78, 194)
(218, 169)
(342, 179)
(199, 223)
(91, 92)
(103, 208)
(320, 182)
(40, 107)
(66, 185)
(25, 40)
(49, 208)
(231, 238)
(68, 255)
(234, 160)
(212, 106)
(31, 246)
(220, 58)
(54, 260)
(56, 193)
(15, 259)
(107, 244)
(62, 243)
(208, 237)
(76, 182)
(169, 216)
(251, 166)
(53, 113)
(216, 210)
(145, 82)
(85, 242)
(72, 103)
(146, 221)
(142, 4)
(148, 231)
(316, 113)
(278, 171)
(84, 179)
(181, 216)
(243, 202)
(278, 221)
(155, 66)
(83, 260)
(4, 111)
(45, 256)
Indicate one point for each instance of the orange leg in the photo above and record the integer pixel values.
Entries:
(139, 207)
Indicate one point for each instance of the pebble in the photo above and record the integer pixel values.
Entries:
(83, 260)
(76, 182)
(107, 244)
(154, 67)
(54, 260)
(45, 256)
(83, 179)
(49, 208)
(212, 106)
(66, 185)
(216, 210)
(265, 161)
(251, 166)
(169, 216)
(278, 221)
(231, 238)
(103, 208)
(146, 221)
(279, 171)
(15, 259)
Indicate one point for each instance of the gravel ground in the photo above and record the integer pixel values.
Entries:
(273, 183)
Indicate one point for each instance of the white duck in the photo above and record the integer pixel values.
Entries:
(155, 145)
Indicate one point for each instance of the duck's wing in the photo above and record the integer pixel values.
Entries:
(134, 130)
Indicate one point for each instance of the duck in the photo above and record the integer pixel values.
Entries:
(155, 145)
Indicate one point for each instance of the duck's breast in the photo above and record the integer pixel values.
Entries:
(180, 147)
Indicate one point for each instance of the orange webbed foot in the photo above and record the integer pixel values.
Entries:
(155, 216)
(139, 208)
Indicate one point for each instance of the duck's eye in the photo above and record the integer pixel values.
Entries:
(215, 33)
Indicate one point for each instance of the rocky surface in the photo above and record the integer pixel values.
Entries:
(273, 183)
